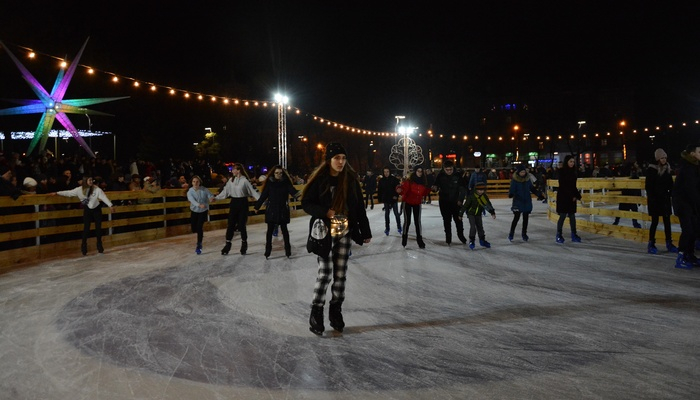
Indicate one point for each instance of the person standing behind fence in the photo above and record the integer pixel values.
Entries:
(334, 188)
(658, 185)
(520, 191)
(567, 197)
(633, 174)
(238, 188)
(276, 189)
(387, 195)
(370, 183)
(412, 190)
(686, 205)
(198, 197)
(90, 196)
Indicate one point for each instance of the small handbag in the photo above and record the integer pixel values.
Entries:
(319, 241)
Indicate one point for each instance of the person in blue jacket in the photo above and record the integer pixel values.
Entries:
(520, 192)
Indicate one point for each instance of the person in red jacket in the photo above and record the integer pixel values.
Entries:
(413, 189)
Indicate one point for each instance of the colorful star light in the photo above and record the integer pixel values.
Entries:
(52, 106)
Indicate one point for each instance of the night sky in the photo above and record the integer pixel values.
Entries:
(442, 64)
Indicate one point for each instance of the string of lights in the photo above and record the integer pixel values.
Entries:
(218, 99)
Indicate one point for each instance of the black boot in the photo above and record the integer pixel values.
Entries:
(100, 248)
(336, 317)
(226, 248)
(268, 249)
(83, 248)
(316, 320)
(448, 237)
(404, 240)
(461, 237)
(244, 247)
(287, 250)
(419, 240)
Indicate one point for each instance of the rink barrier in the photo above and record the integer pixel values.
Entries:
(38, 227)
(600, 198)
(29, 232)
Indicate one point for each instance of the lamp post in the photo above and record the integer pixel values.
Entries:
(281, 129)
(405, 144)
(622, 134)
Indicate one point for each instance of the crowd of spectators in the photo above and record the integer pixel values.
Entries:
(47, 173)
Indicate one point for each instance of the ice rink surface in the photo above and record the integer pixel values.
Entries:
(601, 319)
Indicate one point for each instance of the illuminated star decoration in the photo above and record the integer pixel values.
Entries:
(52, 106)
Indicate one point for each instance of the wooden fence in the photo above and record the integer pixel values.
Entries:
(38, 227)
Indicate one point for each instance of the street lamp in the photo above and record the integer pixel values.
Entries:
(622, 133)
(405, 144)
(281, 129)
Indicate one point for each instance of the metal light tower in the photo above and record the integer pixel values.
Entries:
(282, 129)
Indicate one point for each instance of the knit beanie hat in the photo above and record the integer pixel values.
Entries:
(480, 186)
(660, 153)
(520, 167)
(333, 149)
(30, 182)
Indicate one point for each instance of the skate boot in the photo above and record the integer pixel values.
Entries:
(404, 240)
(471, 244)
(83, 248)
(336, 317)
(268, 249)
(287, 250)
(198, 250)
(559, 238)
(399, 230)
(421, 243)
(510, 237)
(525, 237)
(226, 248)
(244, 247)
(575, 238)
(386, 232)
(316, 320)
(651, 248)
(670, 247)
(683, 262)
(461, 237)
(484, 243)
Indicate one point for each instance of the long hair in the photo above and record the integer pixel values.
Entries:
(346, 182)
(87, 189)
(239, 167)
(271, 175)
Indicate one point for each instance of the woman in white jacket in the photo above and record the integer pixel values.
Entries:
(90, 196)
(238, 188)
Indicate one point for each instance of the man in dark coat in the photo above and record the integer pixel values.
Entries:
(387, 194)
(369, 182)
(452, 190)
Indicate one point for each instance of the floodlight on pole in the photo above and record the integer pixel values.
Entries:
(282, 129)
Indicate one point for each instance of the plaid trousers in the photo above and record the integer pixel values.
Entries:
(337, 264)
